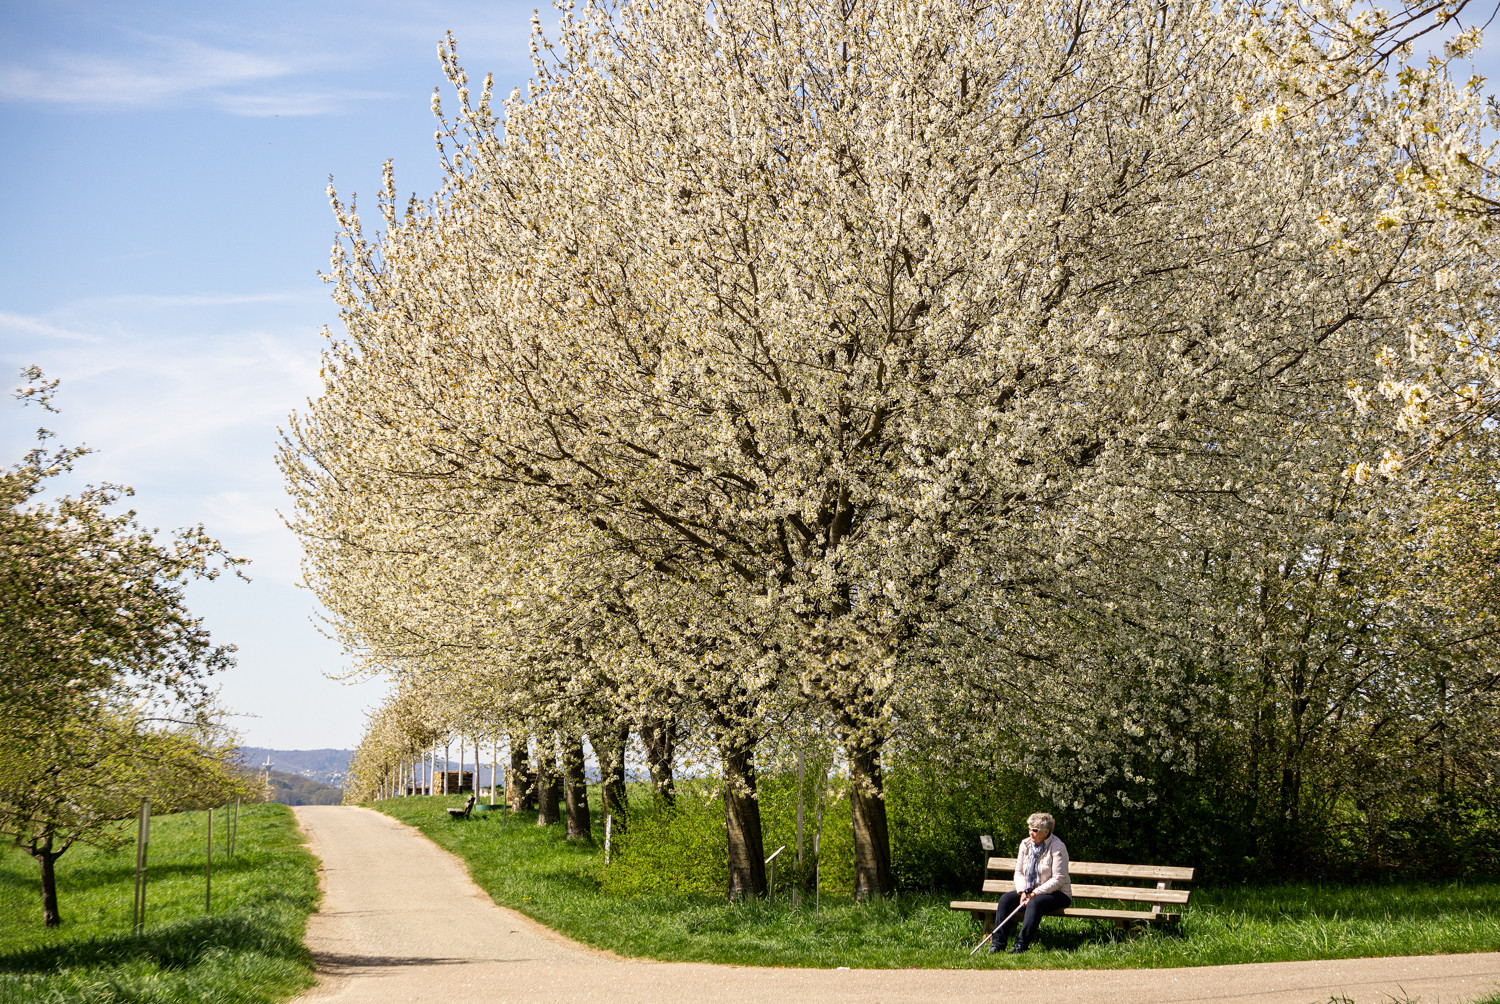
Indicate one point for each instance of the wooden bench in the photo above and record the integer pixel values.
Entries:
(464, 812)
(999, 874)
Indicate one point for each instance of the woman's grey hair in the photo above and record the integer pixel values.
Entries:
(1041, 821)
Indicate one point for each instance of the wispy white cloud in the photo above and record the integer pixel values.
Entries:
(266, 59)
(162, 70)
(182, 392)
(154, 71)
(252, 519)
(37, 326)
(170, 300)
(293, 103)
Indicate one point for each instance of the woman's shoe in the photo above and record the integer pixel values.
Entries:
(1019, 947)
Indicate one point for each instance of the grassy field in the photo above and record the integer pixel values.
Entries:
(249, 949)
(538, 873)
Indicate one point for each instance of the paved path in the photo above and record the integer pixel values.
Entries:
(425, 932)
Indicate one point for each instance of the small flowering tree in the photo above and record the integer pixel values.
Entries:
(103, 698)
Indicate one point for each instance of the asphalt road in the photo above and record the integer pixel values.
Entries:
(402, 923)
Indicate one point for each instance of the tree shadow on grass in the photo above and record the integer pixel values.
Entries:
(564, 881)
(28, 877)
(74, 881)
(1094, 933)
(178, 945)
(20, 880)
(341, 964)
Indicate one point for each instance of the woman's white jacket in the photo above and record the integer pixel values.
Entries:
(1052, 870)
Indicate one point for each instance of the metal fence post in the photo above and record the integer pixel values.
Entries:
(818, 871)
(142, 839)
(208, 867)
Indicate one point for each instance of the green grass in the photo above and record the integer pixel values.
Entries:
(537, 872)
(249, 949)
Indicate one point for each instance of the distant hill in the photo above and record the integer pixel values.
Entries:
(326, 766)
(289, 789)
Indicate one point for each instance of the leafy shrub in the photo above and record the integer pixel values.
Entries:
(778, 815)
(935, 822)
(682, 849)
(685, 848)
(936, 817)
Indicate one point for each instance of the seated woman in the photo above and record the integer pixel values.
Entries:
(1041, 884)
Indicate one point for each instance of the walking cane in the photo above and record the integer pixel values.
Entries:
(1007, 920)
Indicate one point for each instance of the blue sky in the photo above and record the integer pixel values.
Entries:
(163, 168)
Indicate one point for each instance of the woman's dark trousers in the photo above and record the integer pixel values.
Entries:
(1031, 917)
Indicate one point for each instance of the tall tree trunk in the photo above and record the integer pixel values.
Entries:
(575, 789)
(660, 739)
(47, 858)
(747, 857)
(1289, 838)
(1289, 824)
(609, 746)
(872, 840)
(548, 779)
(520, 783)
(1261, 807)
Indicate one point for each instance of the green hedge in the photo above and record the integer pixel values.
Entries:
(685, 850)
(935, 823)
(936, 819)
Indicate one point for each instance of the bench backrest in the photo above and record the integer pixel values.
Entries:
(1000, 874)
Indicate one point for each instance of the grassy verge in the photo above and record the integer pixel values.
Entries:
(537, 872)
(249, 949)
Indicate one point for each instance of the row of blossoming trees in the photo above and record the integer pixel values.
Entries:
(1097, 388)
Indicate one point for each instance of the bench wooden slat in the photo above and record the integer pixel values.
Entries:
(1146, 915)
(1126, 893)
(1106, 870)
(973, 905)
(1130, 893)
(987, 912)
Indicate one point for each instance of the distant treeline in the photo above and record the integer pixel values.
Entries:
(326, 765)
(289, 789)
